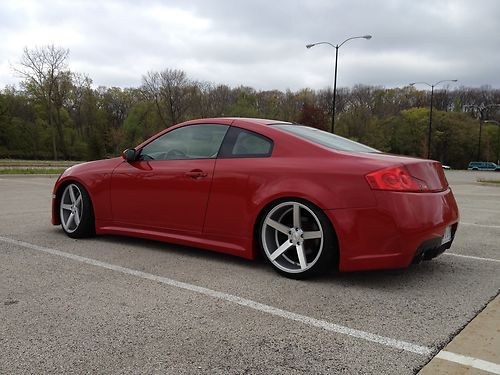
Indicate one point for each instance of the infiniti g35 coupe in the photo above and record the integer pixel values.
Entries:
(308, 200)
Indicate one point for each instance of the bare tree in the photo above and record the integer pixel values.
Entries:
(170, 91)
(80, 103)
(43, 69)
(202, 104)
(151, 89)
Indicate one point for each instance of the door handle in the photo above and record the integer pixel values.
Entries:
(196, 173)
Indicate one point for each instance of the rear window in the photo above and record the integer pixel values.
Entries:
(325, 139)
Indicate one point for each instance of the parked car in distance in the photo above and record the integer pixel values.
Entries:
(483, 166)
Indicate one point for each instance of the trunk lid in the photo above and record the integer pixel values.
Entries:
(429, 171)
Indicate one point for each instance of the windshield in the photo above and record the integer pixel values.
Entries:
(325, 139)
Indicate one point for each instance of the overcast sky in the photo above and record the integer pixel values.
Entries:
(261, 43)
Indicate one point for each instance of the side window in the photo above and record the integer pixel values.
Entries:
(199, 141)
(240, 143)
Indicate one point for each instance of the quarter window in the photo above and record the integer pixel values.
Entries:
(240, 143)
(199, 141)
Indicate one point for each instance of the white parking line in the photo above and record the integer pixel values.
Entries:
(469, 361)
(473, 257)
(332, 327)
(462, 207)
(476, 195)
(480, 225)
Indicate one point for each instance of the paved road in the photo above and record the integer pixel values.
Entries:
(114, 305)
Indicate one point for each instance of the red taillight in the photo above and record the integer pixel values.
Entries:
(395, 179)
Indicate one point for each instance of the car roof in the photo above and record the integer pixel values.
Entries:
(221, 120)
(259, 121)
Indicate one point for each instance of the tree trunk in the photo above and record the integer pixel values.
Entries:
(52, 128)
(54, 148)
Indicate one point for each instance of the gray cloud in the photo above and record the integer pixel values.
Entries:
(262, 43)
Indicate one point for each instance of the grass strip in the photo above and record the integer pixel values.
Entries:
(37, 163)
(32, 171)
(489, 181)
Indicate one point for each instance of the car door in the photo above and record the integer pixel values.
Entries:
(167, 187)
(243, 165)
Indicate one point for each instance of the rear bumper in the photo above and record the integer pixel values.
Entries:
(403, 227)
(432, 248)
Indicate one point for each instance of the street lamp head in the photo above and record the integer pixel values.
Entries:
(412, 84)
(335, 68)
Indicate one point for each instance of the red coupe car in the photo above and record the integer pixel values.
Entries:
(307, 199)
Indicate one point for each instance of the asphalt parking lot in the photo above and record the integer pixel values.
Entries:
(119, 305)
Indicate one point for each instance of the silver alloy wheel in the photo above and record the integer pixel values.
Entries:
(292, 237)
(71, 208)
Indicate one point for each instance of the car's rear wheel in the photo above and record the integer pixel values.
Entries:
(75, 211)
(297, 239)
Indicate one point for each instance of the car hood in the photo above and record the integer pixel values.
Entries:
(101, 166)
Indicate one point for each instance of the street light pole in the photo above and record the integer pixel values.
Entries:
(498, 137)
(367, 37)
(334, 89)
(479, 141)
(429, 135)
(482, 109)
(430, 126)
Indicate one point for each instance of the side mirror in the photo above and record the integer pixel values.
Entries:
(129, 155)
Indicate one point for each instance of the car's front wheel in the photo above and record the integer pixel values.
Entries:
(75, 211)
(297, 239)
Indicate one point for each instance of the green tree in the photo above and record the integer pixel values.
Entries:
(44, 73)
(313, 116)
(245, 106)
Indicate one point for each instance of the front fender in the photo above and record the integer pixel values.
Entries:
(95, 177)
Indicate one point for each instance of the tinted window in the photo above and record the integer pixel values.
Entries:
(325, 139)
(198, 141)
(251, 144)
(241, 143)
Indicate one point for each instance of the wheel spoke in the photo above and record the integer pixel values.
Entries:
(77, 217)
(278, 226)
(280, 250)
(71, 218)
(72, 194)
(78, 200)
(296, 215)
(66, 206)
(302, 256)
(311, 235)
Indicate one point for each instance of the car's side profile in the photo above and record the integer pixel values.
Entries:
(308, 200)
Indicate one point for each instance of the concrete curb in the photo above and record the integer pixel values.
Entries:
(475, 350)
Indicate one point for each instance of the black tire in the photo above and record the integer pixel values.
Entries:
(75, 211)
(297, 251)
